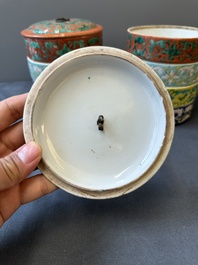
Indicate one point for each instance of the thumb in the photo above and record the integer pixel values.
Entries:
(19, 164)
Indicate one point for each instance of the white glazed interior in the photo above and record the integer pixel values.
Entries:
(166, 32)
(65, 114)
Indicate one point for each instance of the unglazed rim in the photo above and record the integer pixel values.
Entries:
(169, 130)
(132, 30)
(28, 34)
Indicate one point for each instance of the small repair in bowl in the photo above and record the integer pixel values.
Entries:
(104, 121)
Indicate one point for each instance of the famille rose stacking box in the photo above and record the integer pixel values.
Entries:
(47, 40)
(172, 52)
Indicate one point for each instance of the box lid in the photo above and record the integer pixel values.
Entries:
(61, 27)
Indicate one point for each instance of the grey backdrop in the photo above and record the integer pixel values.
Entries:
(114, 15)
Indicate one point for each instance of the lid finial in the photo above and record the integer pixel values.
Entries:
(100, 122)
(62, 19)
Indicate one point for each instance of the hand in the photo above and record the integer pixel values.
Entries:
(17, 161)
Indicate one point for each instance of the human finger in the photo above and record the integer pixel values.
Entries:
(11, 139)
(11, 110)
(29, 190)
(9, 203)
(18, 165)
(35, 187)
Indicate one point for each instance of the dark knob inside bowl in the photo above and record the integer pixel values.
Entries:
(62, 19)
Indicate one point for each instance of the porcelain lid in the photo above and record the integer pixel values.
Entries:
(104, 120)
(61, 27)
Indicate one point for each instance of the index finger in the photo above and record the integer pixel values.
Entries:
(11, 110)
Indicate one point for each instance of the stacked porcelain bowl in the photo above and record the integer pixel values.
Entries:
(172, 52)
(47, 40)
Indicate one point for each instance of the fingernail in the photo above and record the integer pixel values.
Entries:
(29, 152)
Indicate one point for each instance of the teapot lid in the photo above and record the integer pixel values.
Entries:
(61, 27)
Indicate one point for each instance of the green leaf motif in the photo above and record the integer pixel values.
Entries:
(186, 44)
(34, 44)
(130, 36)
(76, 44)
(84, 27)
(139, 40)
(139, 53)
(48, 45)
(93, 41)
(172, 51)
(64, 50)
(154, 44)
